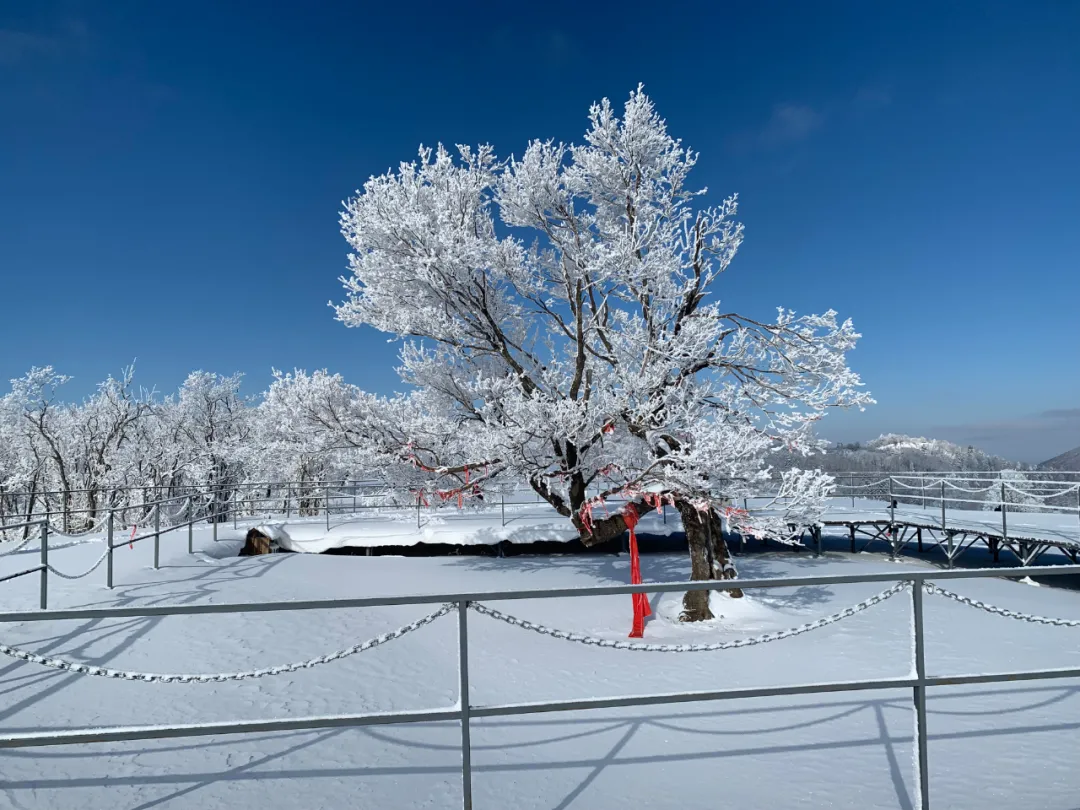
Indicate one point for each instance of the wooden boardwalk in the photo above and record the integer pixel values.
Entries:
(1028, 535)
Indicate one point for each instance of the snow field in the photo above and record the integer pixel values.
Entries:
(1001, 746)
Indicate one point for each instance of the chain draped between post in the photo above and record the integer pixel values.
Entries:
(764, 638)
(152, 677)
(932, 588)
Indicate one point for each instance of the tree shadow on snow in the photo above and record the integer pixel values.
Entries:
(610, 569)
(42, 684)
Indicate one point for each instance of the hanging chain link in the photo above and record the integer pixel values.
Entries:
(151, 677)
(92, 529)
(26, 540)
(999, 611)
(679, 648)
(87, 572)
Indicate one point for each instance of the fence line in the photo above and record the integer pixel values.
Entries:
(918, 582)
(241, 500)
(1049, 490)
(44, 567)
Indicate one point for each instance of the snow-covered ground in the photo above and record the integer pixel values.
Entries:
(487, 525)
(1002, 746)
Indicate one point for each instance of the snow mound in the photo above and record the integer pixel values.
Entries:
(275, 531)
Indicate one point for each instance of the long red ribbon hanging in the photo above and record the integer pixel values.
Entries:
(641, 601)
(131, 543)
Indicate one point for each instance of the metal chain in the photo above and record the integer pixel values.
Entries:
(152, 677)
(26, 540)
(1009, 614)
(932, 485)
(679, 648)
(951, 485)
(1056, 494)
(867, 486)
(180, 513)
(87, 572)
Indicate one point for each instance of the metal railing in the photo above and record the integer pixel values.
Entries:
(466, 711)
(249, 498)
(44, 568)
(1000, 492)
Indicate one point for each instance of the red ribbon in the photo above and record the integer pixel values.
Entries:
(641, 601)
(731, 512)
(131, 544)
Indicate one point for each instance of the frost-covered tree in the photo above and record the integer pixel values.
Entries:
(561, 326)
(299, 424)
(72, 453)
(118, 447)
(213, 425)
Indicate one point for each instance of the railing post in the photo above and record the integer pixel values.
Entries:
(892, 521)
(328, 507)
(157, 537)
(920, 694)
(943, 504)
(853, 490)
(463, 700)
(503, 507)
(419, 494)
(1004, 510)
(288, 500)
(109, 560)
(45, 564)
(190, 525)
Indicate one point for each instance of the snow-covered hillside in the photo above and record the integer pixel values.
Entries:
(893, 452)
(1069, 460)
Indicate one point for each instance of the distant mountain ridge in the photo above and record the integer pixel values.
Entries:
(1069, 460)
(894, 452)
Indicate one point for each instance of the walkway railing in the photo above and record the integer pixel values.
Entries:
(917, 582)
(1006, 492)
(40, 529)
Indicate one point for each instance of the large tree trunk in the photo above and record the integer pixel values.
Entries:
(709, 554)
(696, 603)
(722, 565)
(709, 559)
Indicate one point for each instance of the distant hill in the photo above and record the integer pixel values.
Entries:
(893, 452)
(1069, 460)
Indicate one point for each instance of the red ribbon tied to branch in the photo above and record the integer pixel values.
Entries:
(740, 516)
(641, 601)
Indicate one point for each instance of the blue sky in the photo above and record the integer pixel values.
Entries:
(171, 175)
